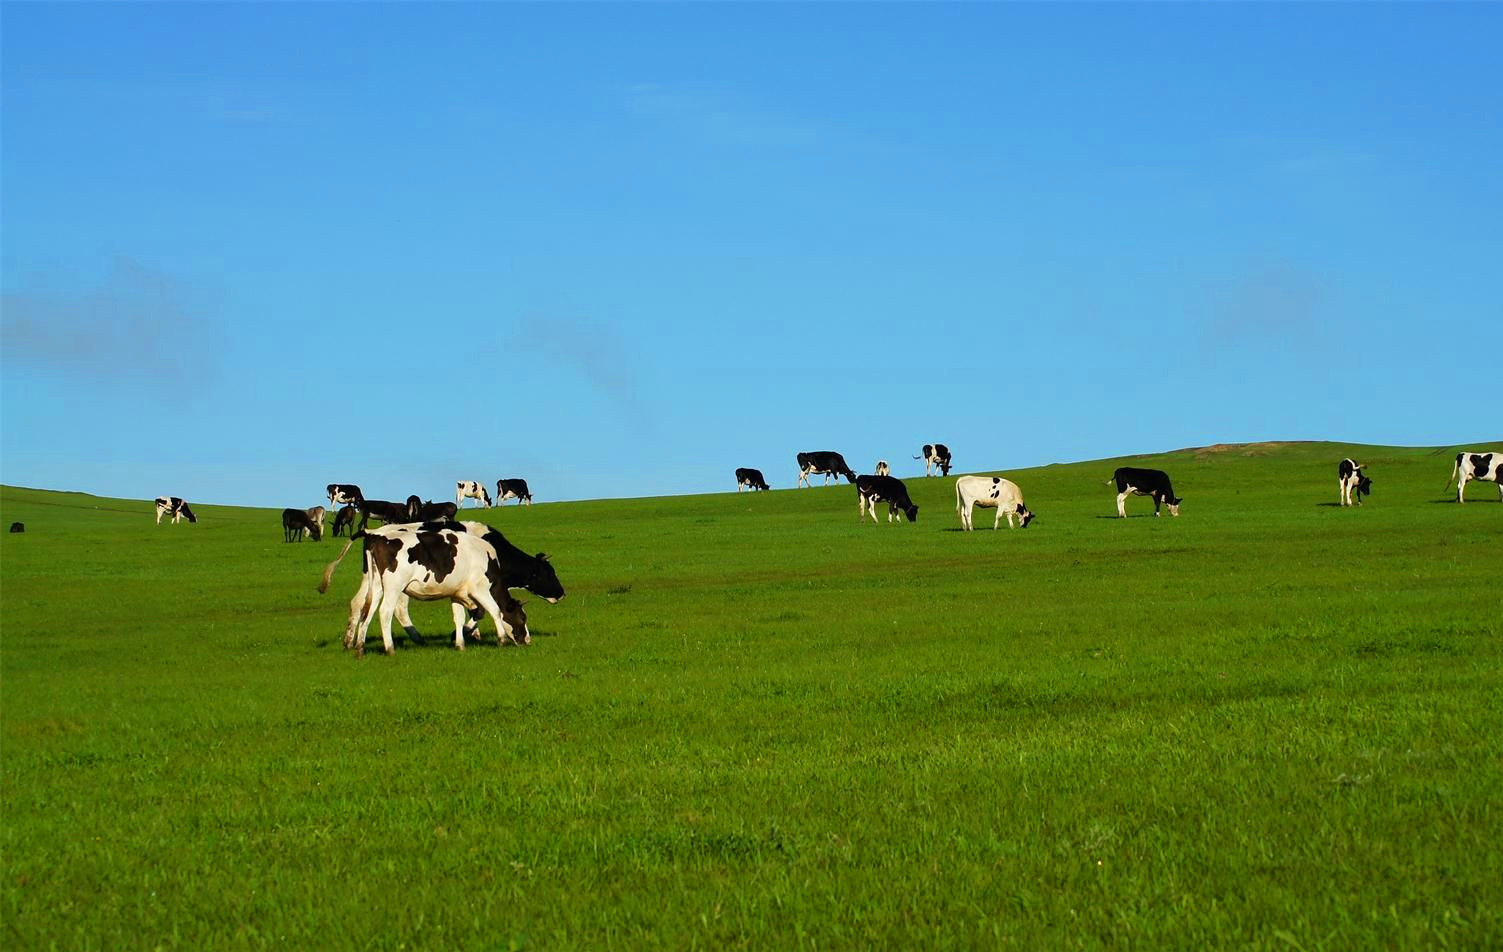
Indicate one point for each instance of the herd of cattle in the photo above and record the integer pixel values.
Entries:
(422, 551)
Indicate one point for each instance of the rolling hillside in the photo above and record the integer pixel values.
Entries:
(756, 721)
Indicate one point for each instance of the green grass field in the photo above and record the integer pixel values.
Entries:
(756, 722)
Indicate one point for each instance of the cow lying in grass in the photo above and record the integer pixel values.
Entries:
(427, 574)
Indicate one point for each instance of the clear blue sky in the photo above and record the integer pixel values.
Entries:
(622, 249)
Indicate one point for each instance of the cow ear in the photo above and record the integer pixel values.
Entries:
(542, 556)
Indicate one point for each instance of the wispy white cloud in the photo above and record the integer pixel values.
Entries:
(138, 325)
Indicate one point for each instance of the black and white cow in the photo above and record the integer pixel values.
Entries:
(936, 456)
(871, 490)
(174, 507)
(513, 568)
(437, 512)
(882, 468)
(1131, 481)
(344, 494)
(1352, 483)
(344, 520)
(750, 479)
(513, 489)
(824, 463)
(388, 512)
(990, 492)
(296, 521)
(1486, 467)
(469, 489)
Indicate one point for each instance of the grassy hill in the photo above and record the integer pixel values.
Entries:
(756, 721)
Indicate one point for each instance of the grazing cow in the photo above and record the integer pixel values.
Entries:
(750, 479)
(469, 489)
(936, 456)
(18, 527)
(514, 569)
(1351, 483)
(344, 494)
(430, 563)
(871, 490)
(826, 463)
(513, 489)
(174, 507)
(990, 492)
(388, 512)
(882, 468)
(296, 521)
(1480, 466)
(1144, 482)
(316, 513)
(437, 512)
(344, 520)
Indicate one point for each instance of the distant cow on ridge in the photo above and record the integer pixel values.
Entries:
(750, 479)
(513, 489)
(1351, 483)
(470, 489)
(344, 494)
(935, 456)
(296, 521)
(871, 490)
(824, 463)
(990, 492)
(174, 507)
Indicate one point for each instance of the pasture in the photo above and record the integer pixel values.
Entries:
(757, 722)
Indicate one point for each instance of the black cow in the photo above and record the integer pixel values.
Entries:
(174, 507)
(437, 512)
(388, 512)
(935, 456)
(826, 463)
(18, 527)
(750, 479)
(344, 493)
(344, 520)
(513, 489)
(1351, 483)
(296, 521)
(1144, 482)
(871, 490)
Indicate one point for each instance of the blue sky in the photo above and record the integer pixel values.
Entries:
(620, 250)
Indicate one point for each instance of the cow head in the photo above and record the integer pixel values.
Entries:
(316, 529)
(187, 513)
(414, 508)
(1364, 486)
(544, 582)
(1025, 515)
(1173, 503)
(911, 511)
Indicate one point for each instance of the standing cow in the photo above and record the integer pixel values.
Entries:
(750, 479)
(470, 489)
(871, 490)
(1144, 482)
(936, 456)
(344, 494)
(344, 520)
(824, 463)
(513, 489)
(297, 521)
(990, 492)
(1352, 483)
(174, 507)
(1480, 466)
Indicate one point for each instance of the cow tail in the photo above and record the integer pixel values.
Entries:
(1454, 467)
(957, 496)
(323, 586)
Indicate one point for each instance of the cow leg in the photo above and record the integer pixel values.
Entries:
(360, 608)
(368, 613)
(389, 598)
(997, 521)
(1122, 504)
(460, 617)
(404, 618)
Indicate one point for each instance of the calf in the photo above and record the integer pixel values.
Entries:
(936, 456)
(990, 492)
(174, 507)
(871, 490)
(826, 463)
(296, 521)
(513, 489)
(437, 512)
(516, 569)
(882, 468)
(388, 512)
(344, 520)
(1144, 482)
(344, 494)
(1480, 466)
(469, 489)
(1351, 484)
(750, 479)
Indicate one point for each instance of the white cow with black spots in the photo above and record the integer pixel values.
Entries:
(990, 492)
(470, 489)
(1487, 467)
